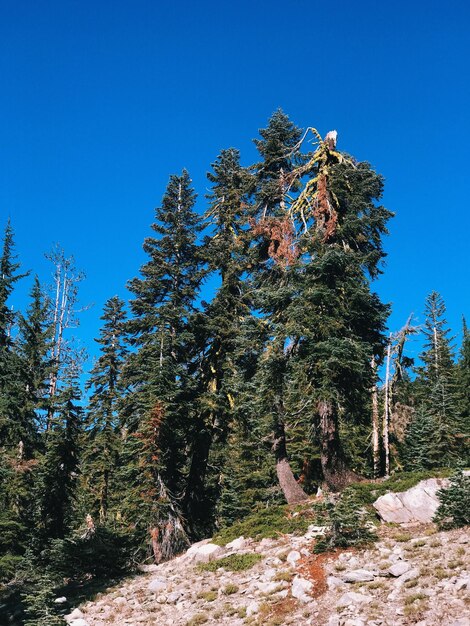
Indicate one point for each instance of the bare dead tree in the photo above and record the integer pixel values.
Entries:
(63, 301)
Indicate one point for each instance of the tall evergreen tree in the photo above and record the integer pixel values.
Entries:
(338, 319)
(218, 334)
(161, 370)
(463, 379)
(103, 433)
(437, 380)
(275, 255)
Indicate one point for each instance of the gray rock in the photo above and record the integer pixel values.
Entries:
(398, 569)
(293, 557)
(204, 553)
(120, 601)
(173, 597)
(252, 608)
(333, 582)
(462, 621)
(353, 598)
(75, 614)
(268, 587)
(358, 576)
(462, 583)
(236, 544)
(156, 585)
(417, 504)
(409, 575)
(301, 588)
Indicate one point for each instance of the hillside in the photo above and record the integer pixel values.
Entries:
(412, 576)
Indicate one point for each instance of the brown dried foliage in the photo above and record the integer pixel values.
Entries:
(324, 213)
(280, 234)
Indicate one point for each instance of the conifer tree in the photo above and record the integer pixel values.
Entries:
(339, 320)
(272, 279)
(60, 465)
(437, 380)
(218, 333)
(102, 440)
(463, 380)
(10, 370)
(34, 346)
(161, 370)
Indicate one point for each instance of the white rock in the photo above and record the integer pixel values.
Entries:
(156, 585)
(334, 621)
(60, 600)
(462, 621)
(120, 601)
(409, 575)
(79, 622)
(462, 583)
(269, 574)
(417, 504)
(293, 557)
(353, 598)
(152, 567)
(252, 608)
(267, 587)
(333, 582)
(398, 569)
(203, 553)
(354, 622)
(358, 576)
(301, 587)
(236, 544)
(75, 614)
(173, 597)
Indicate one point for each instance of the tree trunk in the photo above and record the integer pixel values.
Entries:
(386, 421)
(333, 462)
(194, 502)
(291, 489)
(375, 423)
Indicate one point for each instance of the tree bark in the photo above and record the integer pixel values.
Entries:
(375, 423)
(291, 489)
(386, 421)
(335, 470)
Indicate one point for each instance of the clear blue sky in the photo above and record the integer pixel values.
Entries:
(102, 101)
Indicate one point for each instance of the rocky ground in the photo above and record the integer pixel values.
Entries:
(412, 575)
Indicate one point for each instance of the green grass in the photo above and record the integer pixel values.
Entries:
(230, 589)
(208, 596)
(233, 562)
(271, 522)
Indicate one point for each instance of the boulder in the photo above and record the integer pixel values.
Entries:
(236, 544)
(353, 598)
(301, 588)
(203, 553)
(399, 568)
(252, 608)
(60, 600)
(417, 504)
(358, 576)
(156, 585)
(74, 615)
(293, 557)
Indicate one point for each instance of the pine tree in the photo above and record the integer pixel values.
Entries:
(463, 381)
(338, 319)
(34, 346)
(275, 255)
(161, 370)
(11, 388)
(59, 467)
(437, 380)
(103, 433)
(218, 334)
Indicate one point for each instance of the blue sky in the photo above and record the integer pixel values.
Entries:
(102, 101)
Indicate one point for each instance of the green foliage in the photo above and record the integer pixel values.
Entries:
(233, 562)
(454, 508)
(39, 603)
(349, 524)
(272, 522)
(105, 553)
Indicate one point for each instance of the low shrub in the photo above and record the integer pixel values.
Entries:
(233, 562)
